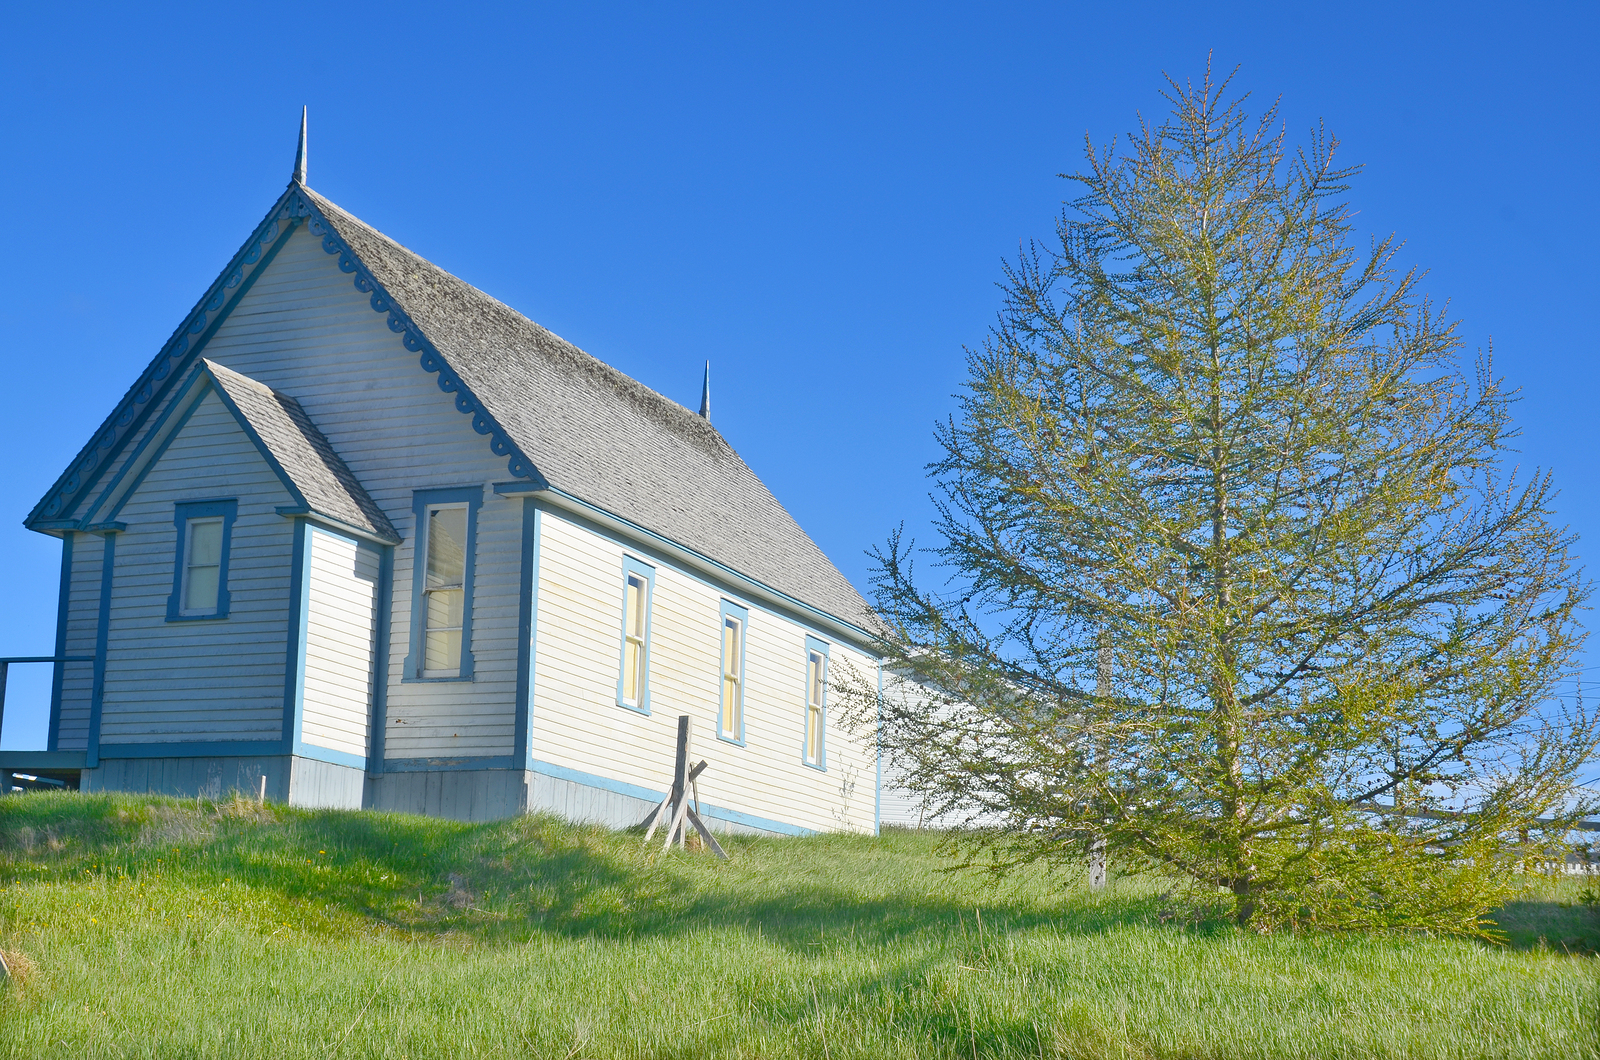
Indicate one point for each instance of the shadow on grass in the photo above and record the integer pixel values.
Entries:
(508, 881)
(1557, 926)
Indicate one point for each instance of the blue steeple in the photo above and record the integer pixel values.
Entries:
(705, 395)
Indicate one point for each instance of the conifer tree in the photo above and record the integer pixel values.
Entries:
(1236, 573)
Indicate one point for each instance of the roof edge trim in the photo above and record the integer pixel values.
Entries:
(859, 637)
(170, 363)
(413, 338)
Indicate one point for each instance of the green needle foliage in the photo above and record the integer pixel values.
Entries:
(1240, 584)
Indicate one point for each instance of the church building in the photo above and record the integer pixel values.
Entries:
(367, 536)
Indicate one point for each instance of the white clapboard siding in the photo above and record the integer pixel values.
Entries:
(577, 723)
(341, 619)
(304, 329)
(200, 680)
(83, 611)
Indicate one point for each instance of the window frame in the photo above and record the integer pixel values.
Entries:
(731, 610)
(632, 567)
(819, 760)
(423, 502)
(184, 513)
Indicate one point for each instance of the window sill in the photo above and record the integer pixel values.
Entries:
(198, 618)
(725, 738)
(637, 708)
(823, 768)
(460, 679)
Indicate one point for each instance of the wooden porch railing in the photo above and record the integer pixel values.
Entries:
(5, 672)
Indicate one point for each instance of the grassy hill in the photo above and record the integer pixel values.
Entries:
(151, 927)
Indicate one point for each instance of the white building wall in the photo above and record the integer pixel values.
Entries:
(341, 620)
(577, 723)
(303, 328)
(206, 680)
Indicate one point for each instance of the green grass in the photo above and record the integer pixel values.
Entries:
(175, 929)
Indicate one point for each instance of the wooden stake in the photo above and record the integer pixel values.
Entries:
(705, 834)
(262, 800)
(660, 814)
(680, 807)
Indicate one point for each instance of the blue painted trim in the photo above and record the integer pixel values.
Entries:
(153, 433)
(183, 511)
(631, 565)
(336, 526)
(729, 608)
(328, 754)
(877, 756)
(380, 662)
(634, 791)
(161, 449)
(527, 631)
(102, 633)
(522, 487)
(472, 497)
(814, 644)
(294, 658)
(597, 520)
(63, 605)
(447, 765)
(195, 749)
(176, 355)
(412, 338)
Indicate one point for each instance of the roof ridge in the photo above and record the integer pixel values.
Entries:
(619, 381)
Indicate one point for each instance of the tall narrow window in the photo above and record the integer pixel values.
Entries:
(816, 689)
(444, 591)
(730, 725)
(200, 566)
(633, 686)
(441, 584)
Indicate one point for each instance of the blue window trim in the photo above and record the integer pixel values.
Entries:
(472, 497)
(648, 573)
(813, 644)
(183, 511)
(729, 608)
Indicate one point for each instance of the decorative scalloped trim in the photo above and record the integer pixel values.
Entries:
(170, 363)
(413, 339)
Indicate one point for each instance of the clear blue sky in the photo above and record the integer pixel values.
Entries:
(816, 198)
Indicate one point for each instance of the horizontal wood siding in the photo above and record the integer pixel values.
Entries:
(341, 618)
(305, 330)
(577, 723)
(200, 680)
(83, 612)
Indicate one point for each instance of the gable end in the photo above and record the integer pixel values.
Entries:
(176, 355)
(431, 359)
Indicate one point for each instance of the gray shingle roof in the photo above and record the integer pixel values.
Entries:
(313, 469)
(601, 436)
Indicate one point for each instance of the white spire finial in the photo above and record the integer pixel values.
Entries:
(705, 395)
(300, 152)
